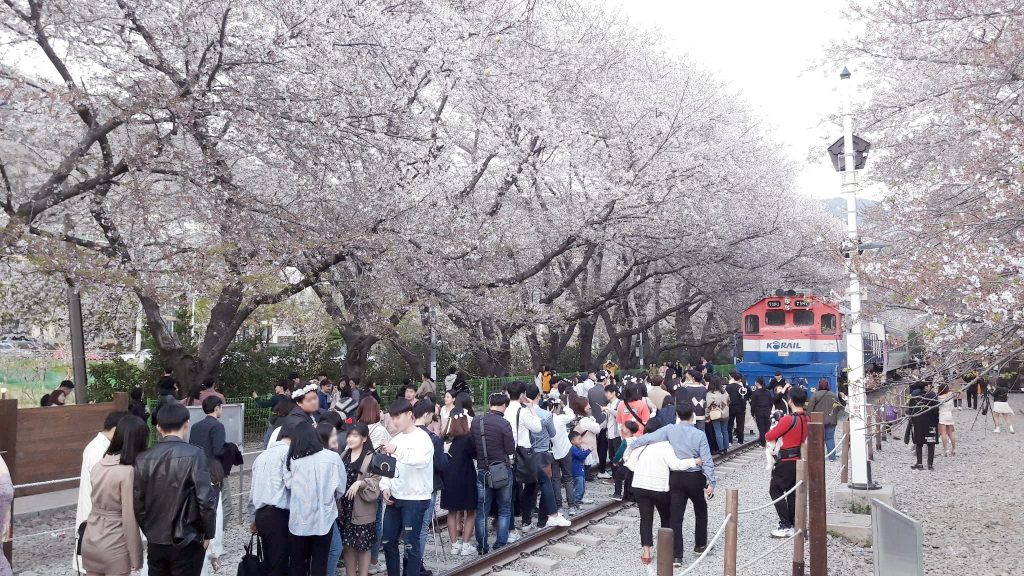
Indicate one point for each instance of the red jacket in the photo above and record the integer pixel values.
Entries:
(792, 433)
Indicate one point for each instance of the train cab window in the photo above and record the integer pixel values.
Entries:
(828, 323)
(775, 318)
(751, 324)
(803, 318)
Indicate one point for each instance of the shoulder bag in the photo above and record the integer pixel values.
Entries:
(252, 564)
(496, 475)
(526, 459)
(383, 464)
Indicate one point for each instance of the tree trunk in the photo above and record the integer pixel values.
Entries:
(358, 345)
(586, 343)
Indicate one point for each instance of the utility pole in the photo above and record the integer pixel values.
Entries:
(77, 343)
(433, 347)
(860, 473)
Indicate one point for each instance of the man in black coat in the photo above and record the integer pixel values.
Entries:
(597, 400)
(737, 392)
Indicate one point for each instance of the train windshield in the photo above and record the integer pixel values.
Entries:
(828, 323)
(751, 324)
(775, 318)
(803, 318)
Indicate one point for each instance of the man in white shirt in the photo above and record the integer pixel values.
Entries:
(449, 380)
(91, 456)
(407, 495)
(521, 415)
(583, 387)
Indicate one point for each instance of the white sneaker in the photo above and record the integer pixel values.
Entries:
(781, 532)
(457, 548)
(587, 501)
(529, 529)
(558, 520)
(604, 475)
(1011, 430)
(468, 549)
(514, 536)
(996, 431)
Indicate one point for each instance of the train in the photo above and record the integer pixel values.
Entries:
(803, 336)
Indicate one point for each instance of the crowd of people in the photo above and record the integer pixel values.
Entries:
(342, 477)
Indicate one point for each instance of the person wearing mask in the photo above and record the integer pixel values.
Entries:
(172, 481)
(91, 456)
(824, 401)
(761, 409)
(651, 466)
(493, 444)
(522, 417)
(718, 413)
(924, 418)
(209, 435)
(587, 428)
(547, 513)
(112, 543)
(791, 431)
(268, 504)
(357, 511)
(315, 482)
(459, 495)
(737, 391)
(424, 411)
(408, 494)
(598, 401)
(695, 484)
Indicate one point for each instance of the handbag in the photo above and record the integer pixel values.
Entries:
(252, 564)
(496, 475)
(383, 464)
(525, 460)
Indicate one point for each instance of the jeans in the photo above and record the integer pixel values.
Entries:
(485, 496)
(579, 488)
(721, 434)
(404, 518)
(334, 554)
(375, 549)
(830, 441)
(427, 517)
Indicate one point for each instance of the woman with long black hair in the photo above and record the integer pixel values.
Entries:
(112, 543)
(357, 511)
(316, 482)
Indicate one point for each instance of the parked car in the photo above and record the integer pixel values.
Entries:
(140, 357)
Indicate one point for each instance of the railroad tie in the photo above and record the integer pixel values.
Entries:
(541, 564)
(564, 550)
(586, 540)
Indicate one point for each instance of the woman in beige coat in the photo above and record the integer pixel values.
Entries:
(112, 543)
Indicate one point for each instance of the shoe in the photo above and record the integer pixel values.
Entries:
(645, 560)
(616, 496)
(559, 520)
(699, 549)
(467, 549)
(457, 547)
(425, 572)
(587, 501)
(604, 475)
(677, 563)
(514, 536)
(572, 511)
(996, 431)
(1011, 430)
(529, 529)
(931, 467)
(782, 531)
(916, 467)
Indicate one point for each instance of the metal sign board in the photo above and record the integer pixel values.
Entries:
(232, 417)
(896, 540)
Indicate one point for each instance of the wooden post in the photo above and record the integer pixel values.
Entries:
(665, 552)
(800, 521)
(816, 527)
(8, 451)
(846, 452)
(732, 507)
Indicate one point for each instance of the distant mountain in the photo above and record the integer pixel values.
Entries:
(837, 206)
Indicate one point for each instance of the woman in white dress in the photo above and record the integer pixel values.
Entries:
(947, 430)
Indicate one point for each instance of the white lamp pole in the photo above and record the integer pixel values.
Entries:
(860, 468)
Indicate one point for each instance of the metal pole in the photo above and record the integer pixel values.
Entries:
(855, 340)
(641, 349)
(732, 508)
(433, 348)
(77, 343)
(665, 552)
(800, 520)
(845, 475)
(815, 471)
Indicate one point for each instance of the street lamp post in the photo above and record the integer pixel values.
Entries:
(848, 155)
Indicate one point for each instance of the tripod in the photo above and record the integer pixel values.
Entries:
(984, 405)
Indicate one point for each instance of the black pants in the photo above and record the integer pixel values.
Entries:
(624, 482)
(685, 486)
(602, 451)
(308, 554)
(972, 397)
(784, 478)
(709, 432)
(737, 419)
(931, 453)
(613, 447)
(169, 560)
(272, 527)
(764, 422)
(647, 501)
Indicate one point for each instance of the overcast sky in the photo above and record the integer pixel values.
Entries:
(766, 51)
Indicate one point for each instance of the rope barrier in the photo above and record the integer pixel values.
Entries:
(839, 444)
(47, 482)
(772, 503)
(711, 545)
(779, 545)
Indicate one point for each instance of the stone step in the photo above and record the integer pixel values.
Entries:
(541, 563)
(854, 527)
(564, 550)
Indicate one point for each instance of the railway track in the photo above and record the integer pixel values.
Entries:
(532, 543)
